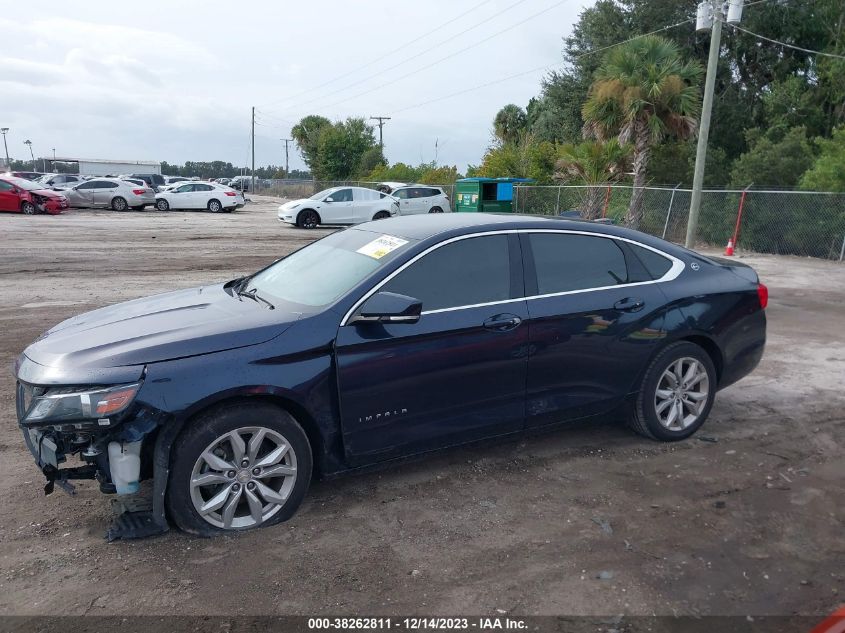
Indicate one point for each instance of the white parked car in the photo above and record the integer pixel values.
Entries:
(199, 195)
(339, 205)
(414, 199)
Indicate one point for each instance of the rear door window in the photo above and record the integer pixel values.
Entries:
(565, 262)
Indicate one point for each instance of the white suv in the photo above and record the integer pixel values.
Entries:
(339, 205)
(414, 199)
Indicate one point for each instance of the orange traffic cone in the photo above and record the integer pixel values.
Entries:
(729, 249)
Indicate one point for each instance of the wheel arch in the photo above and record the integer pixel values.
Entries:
(711, 347)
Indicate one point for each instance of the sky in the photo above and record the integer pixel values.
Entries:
(176, 81)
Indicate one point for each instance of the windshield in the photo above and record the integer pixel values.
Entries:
(324, 271)
(26, 184)
(322, 194)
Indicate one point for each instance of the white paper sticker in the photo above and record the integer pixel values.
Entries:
(381, 246)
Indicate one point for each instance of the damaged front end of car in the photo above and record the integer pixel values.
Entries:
(105, 426)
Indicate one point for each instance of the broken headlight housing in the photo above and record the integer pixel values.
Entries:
(66, 404)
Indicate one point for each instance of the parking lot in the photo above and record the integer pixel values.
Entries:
(745, 518)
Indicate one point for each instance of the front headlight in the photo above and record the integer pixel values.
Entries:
(64, 404)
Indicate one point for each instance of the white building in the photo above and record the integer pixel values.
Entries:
(106, 167)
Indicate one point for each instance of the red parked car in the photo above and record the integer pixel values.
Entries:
(25, 196)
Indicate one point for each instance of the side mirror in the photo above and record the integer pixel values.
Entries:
(389, 307)
(329, 199)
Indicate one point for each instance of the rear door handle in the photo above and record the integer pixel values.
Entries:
(629, 304)
(502, 322)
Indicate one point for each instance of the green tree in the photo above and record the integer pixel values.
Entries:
(772, 163)
(672, 163)
(510, 123)
(306, 133)
(370, 160)
(644, 91)
(593, 163)
(340, 148)
(828, 171)
(527, 158)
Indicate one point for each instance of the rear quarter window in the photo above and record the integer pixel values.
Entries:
(656, 264)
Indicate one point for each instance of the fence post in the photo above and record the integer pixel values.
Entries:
(606, 202)
(842, 250)
(557, 204)
(669, 212)
(739, 215)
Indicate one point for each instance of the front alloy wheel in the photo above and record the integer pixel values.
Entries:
(240, 466)
(243, 478)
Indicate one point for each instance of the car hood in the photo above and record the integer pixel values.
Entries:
(48, 193)
(295, 203)
(158, 328)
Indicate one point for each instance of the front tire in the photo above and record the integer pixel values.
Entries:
(381, 215)
(435, 210)
(162, 205)
(676, 393)
(307, 219)
(119, 204)
(28, 208)
(214, 206)
(243, 466)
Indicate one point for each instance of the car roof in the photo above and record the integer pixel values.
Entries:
(445, 225)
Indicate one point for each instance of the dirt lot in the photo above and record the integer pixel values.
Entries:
(745, 519)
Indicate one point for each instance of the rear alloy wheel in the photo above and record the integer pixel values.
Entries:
(28, 208)
(307, 219)
(676, 394)
(162, 205)
(381, 215)
(242, 467)
(119, 204)
(436, 210)
(214, 206)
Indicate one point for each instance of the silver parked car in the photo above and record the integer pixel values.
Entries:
(113, 193)
(52, 181)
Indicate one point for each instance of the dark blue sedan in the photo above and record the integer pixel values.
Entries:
(377, 342)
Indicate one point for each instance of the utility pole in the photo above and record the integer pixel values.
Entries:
(286, 140)
(709, 16)
(381, 120)
(3, 131)
(252, 189)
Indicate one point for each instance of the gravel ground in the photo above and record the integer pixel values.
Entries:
(747, 518)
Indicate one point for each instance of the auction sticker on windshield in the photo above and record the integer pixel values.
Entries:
(381, 246)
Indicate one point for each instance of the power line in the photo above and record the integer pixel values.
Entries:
(387, 54)
(420, 54)
(442, 59)
(792, 46)
(533, 70)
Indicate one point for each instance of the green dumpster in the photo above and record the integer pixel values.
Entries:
(488, 195)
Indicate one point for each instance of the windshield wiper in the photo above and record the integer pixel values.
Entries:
(253, 294)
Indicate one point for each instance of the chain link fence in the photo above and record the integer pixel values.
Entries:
(810, 224)
(294, 189)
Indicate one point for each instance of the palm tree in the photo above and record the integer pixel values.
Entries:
(644, 91)
(509, 124)
(593, 163)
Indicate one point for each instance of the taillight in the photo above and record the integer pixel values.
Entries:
(763, 294)
(138, 192)
(230, 193)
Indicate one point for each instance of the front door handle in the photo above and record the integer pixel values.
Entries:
(629, 304)
(502, 322)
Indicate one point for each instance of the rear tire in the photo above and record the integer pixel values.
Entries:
(28, 208)
(381, 215)
(162, 205)
(119, 204)
(307, 219)
(214, 206)
(275, 498)
(676, 393)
